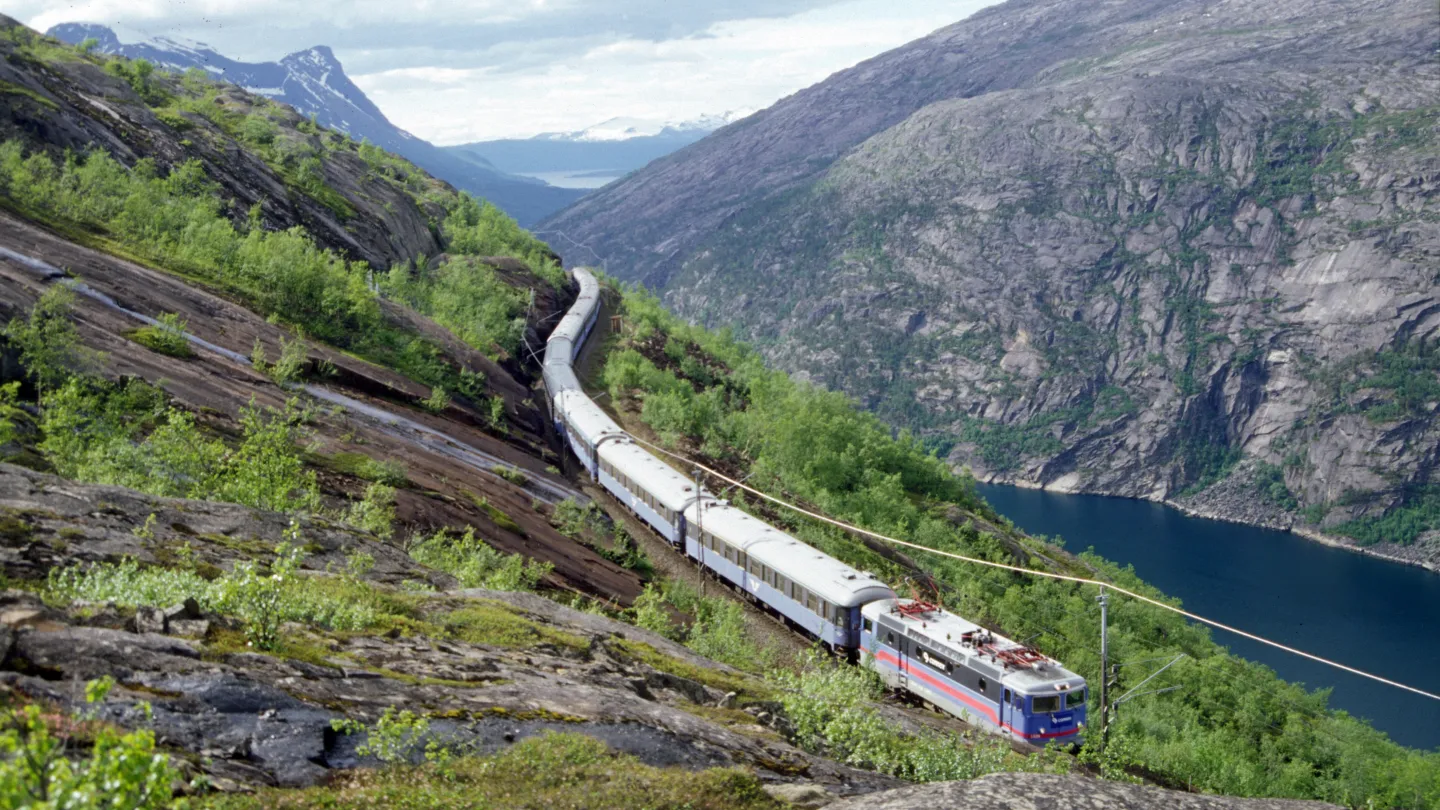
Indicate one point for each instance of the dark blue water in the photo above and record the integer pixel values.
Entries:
(1374, 615)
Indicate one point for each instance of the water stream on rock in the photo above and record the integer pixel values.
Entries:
(1369, 613)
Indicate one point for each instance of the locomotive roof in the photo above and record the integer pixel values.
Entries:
(826, 576)
(945, 631)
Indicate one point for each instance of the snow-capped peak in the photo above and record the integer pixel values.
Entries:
(623, 129)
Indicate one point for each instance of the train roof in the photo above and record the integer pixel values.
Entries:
(573, 323)
(560, 378)
(1018, 665)
(817, 571)
(662, 481)
(587, 418)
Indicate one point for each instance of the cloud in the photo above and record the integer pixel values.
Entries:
(735, 64)
(464, 70)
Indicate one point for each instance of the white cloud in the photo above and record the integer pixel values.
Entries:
(463, 70)
(738, 64)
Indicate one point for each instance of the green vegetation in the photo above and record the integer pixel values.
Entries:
(123, 771)
(559, 771)
(263, 598)
(477, 565)
(465, 295)
(1233, 728)
(828, 703)
(167, 337)
(1419, 512)
(375, 512)
(10, 413)
(717, 630)
(389, 472)
(289, 368)
(484, 621)
(1387, 386)
(1270, 481)
(180, 222)
(589, 525)
(123, 434)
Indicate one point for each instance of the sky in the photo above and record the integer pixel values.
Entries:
(454, 71)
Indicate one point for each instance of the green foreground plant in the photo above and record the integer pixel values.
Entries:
(43, 765)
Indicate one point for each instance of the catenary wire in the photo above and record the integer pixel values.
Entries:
(1049, 575)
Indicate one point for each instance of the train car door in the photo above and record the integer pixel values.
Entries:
(901, 648)
(1005, 708)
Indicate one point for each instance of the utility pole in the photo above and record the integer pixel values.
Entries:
(700, 528)
(1104, 666)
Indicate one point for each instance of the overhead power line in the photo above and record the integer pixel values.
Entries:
(1032, 572)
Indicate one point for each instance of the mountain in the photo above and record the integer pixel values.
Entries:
(595, 155)
(1172, 250)
(315, 84)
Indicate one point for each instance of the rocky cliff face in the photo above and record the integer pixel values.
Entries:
(1131, 248)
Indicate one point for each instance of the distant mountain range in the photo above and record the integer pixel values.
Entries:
(314, 83)
(592, 157)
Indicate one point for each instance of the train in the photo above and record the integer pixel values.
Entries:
(917, 647)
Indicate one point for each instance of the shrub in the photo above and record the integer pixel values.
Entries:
(121, 770)
(289, 368)
(263, 597)
(514, 475)
(166, 337)
(50, 348)
(438, 401)
(477, 565)
(10, 413)
(375, 513)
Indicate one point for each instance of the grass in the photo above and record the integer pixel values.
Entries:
(389, 472)
(744, 688)
(554, 771)
(496, 624)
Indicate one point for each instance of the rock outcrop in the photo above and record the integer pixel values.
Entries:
(1028, 791)
(1111, 248)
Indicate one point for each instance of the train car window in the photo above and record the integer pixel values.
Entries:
(1007, 696)
(1048, 703)
(1075, 698)
(869, 625)
(742, 560)
(982, 686)
(823, 609)
(889, 638)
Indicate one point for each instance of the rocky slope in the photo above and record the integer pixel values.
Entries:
(261, 719)
(1014, 792)
(314, 83)
(1129, 248)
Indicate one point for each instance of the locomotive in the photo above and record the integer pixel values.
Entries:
(943, 659)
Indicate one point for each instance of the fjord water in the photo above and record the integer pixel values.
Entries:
(1371, 614)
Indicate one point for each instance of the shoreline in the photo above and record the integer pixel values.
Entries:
(1313, 535)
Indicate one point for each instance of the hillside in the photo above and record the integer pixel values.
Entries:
(315, 84)
(1177, 251)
